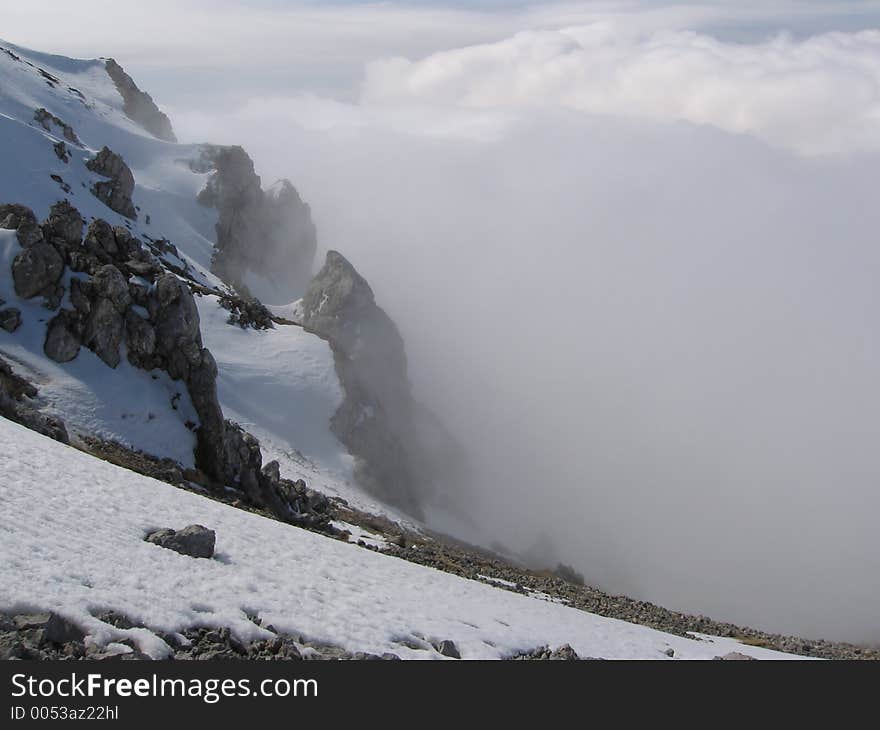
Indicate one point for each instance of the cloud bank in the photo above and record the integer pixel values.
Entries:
(820, 95)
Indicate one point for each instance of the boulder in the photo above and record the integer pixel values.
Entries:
(22, 220)
(115, 192)
(194, 540)
(61, 345)
(448, 648)
(64, 226)
(109, 283)
(100, 240)
(37, 269)
(10, 319)
(141, 339)
(104, 331)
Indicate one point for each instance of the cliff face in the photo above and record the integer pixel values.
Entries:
(400, 447)
(266, 240)
(138, 105)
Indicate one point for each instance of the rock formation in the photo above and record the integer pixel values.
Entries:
(116, 191)
(107, 312)
(379, 422)
(50, 122)
(266, 240)
(138, 105)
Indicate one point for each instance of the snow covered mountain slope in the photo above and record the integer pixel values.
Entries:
(72, 529)
(280, 383)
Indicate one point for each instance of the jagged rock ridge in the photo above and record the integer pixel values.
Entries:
(105, 314)
(269, 233)
(138, 105)
(379, 421)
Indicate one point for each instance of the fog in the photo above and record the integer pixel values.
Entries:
(634, 262)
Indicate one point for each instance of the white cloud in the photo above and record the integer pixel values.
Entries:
(815, 96)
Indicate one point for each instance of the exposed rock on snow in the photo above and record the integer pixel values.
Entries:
(10, 318)
(37, 270)
(61, 152)
(268, 233)
(16, 404)
(49, 122)
(138, 105)
(61, 343)
(116, 192)
(193, 540)
(23, 221)
(64, 226)
(448, 648)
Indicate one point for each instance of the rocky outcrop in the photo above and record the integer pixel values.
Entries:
(378, 421)
(51, 123)
(156, 319)
(269, 234)
(36, 270)
(17, 404)
(195, 541)
(115, 192)
(138, 105)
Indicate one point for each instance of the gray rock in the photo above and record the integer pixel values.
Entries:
(64, 226)
(141, 339)
(21, 219)
(104, 331)
(270, 233)
(80, 295)
(61, 152)
(36, 269)
(564, 653)
(10, 319)
(176, 320)
(100, 240)
(194, 540)
(736, 656)
(449, 649)
(399, 446)
(61, 345)
(138, 105)
(109, 283)
(59, 630)
(50, 122)
(115, 192)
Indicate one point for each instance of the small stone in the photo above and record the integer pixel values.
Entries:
(10, 319)
(194, 540)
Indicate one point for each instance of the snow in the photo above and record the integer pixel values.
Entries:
(71, 533)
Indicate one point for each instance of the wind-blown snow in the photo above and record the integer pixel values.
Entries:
(71, 533)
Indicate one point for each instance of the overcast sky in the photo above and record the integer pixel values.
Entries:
(632, 247)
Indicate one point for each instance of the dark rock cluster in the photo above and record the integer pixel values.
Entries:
(122, 295)
(50, 122)
(48, 635)
(116, 191)
(269, 233)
